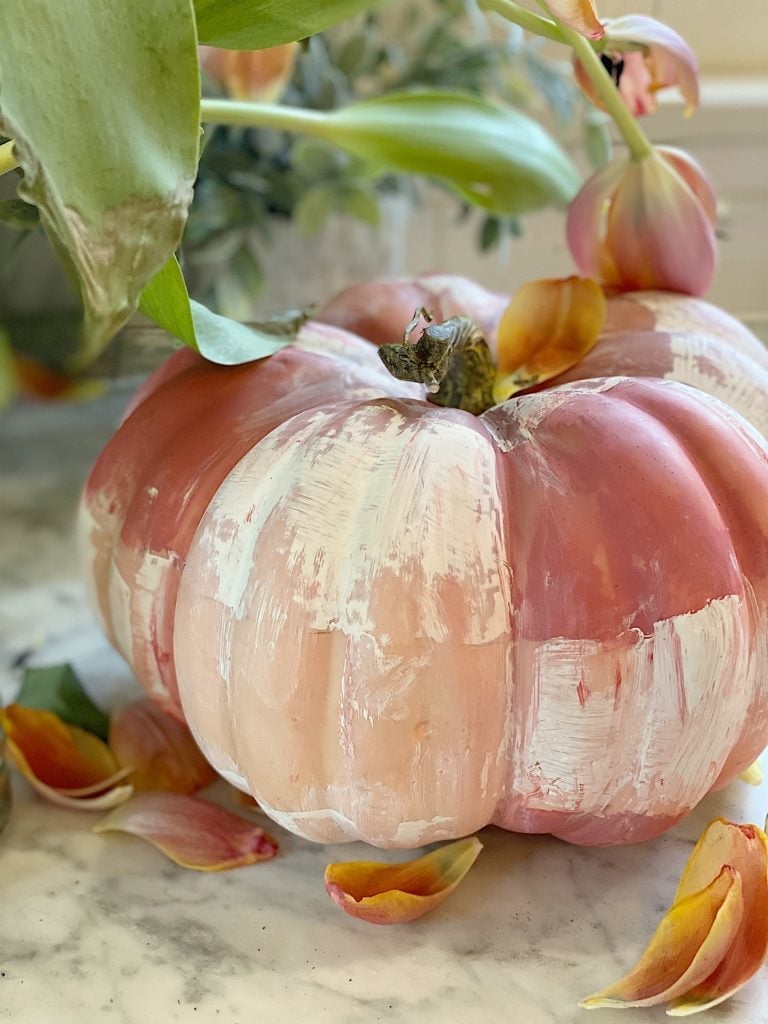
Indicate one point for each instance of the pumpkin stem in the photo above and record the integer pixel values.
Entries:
(452, 358)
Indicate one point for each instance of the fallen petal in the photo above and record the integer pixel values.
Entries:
(192, 833)
(396, 893)
(56, 754)
(546, 329)
(692, 939)
(161, 750)
(745, 849)
(97, 797)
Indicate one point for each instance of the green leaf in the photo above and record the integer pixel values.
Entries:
(598, 144)
(314, 206)
(102, 99)
(18, 215)
(166, 301)
(56, 688)
(251, 25)
(498, 158)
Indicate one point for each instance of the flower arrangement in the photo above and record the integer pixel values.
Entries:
(644, 221)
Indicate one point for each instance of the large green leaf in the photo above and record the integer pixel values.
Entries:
(255, 24)
(102, 99)
(166, 301)
(494, 156)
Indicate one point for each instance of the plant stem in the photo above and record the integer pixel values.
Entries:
(266, 115)
(8, 161)
(525, 19)
(636, 139)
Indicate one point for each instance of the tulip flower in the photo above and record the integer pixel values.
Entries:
(643, 56)
(647, 222)
(259, 76)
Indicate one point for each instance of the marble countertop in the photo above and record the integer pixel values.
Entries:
(103, 928)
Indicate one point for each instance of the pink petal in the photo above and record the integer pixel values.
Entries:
(659, 233)
(693, 175)
(669, 59)
(193, 833)
(585, 226)
(159, 749)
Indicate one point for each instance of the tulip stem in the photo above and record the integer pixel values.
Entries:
(636, 139)
(525, 19)
(266, 115)
(8, 159)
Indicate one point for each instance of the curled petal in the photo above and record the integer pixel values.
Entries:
(396, 893)
(192, 833)
(97, 797)
(63, 763)
(694, 177)
(659, 234)
(579, 15)
(58, 755)
(160, 750)
(546, 329)
(714, 936)
(692, 939)
(668, 59)
(745, 849)
(251, 75)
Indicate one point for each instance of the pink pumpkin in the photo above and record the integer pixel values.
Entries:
(647, 334)
(396, 622)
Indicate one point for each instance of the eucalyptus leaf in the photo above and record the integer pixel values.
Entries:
(251, 25)
(56, 688)
(314, 207)
(102, 100)
(166, 301)
(498, 158)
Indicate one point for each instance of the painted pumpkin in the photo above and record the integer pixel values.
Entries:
(646, 334)
(398, 622)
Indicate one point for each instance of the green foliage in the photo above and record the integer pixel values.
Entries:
(165, 300)
(102, 100)
(56, 688)
(243, 25)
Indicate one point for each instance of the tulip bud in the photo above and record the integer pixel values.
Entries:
(646, 223)
(259, 76)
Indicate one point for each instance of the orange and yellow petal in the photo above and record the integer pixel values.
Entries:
(714, 937)
(192, 833)
(159, 749)
(251, 75)
(396, 893)
(548, 326)
(580, 15)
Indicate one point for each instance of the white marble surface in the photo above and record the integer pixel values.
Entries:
(103, 928)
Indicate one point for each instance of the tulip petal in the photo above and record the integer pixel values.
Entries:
(396, 893)
(259, 76)
(745, 849)
(546, 329)
(691, 940)
(58, 755)
(658, 232)
(192, 833)
(693, 175)
(98, 797)
(753, 775)
(161, 750)
(586, 223)
(714, 936)
(669, 60)
(579, 15)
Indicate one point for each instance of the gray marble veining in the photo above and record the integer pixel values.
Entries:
(103, 928)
